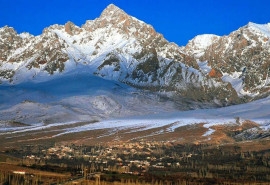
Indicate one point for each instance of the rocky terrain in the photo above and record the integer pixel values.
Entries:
(223, 70)
(116, 74)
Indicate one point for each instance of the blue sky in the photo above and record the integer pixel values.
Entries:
(178, 20)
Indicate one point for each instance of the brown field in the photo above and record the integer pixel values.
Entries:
(185, 134)
(14, 167)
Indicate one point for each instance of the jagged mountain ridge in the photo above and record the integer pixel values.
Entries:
(244, 53)
(116, 46)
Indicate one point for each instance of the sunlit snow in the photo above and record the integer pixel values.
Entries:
(83, 97)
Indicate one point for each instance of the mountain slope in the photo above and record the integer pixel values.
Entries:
(241, 58)
(75, 98)
(223, 70)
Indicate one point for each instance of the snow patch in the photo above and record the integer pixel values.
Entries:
(204, 67)
(209, 132)
(203, 41)
(261, 28)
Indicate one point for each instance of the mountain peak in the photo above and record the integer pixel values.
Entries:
(111, 11)
(8, 29)
(262, 28)
(112, 7)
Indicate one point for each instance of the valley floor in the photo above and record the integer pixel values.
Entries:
(137, 162)
(228, 145)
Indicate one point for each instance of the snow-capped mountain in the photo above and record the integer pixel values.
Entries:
(241, 58)
(116, 46)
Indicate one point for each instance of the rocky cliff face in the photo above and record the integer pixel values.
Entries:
(241, 58)
(226, 70)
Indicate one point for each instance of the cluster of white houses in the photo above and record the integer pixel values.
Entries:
(135, 157)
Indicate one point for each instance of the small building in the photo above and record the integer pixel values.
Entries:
(19, 172)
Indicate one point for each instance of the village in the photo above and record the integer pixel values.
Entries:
(141, 162)
(132, 158)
